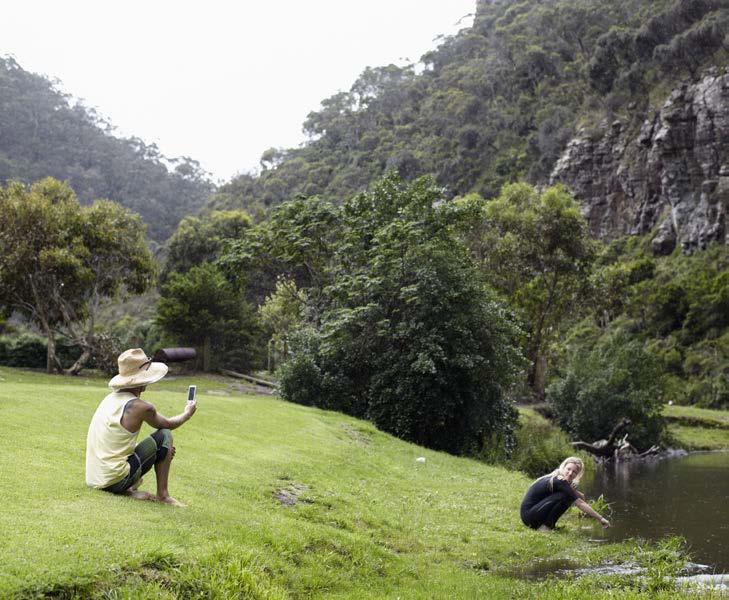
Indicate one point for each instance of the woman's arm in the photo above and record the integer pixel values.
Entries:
(588, 510)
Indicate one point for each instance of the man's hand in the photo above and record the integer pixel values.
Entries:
(190, 408)
(604, 522)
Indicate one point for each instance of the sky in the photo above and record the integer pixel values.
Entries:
(219, 81)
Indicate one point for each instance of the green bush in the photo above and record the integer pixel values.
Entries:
(540, 446)
(410, 337)
(201, 307)
(617, 379)
(300, 380)
(26, 350)
(106, 353)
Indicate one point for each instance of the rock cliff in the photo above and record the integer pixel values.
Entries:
(670, 176)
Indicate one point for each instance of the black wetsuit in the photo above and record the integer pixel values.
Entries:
(546, 501)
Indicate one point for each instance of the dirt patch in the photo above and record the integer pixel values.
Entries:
(291, 495)
(361, 437)
(251, 389)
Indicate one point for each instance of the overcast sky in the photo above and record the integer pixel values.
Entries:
(217, 80)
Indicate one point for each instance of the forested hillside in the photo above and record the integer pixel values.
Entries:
(497, 102)
(428, 305)
(42, 133)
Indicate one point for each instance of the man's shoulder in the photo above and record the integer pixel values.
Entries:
(136, 403)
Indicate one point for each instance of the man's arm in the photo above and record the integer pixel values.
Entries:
(138, 411)
(157, 420)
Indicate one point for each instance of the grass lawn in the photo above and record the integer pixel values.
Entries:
(695, 428)
(699, 438)
(705, 417)
(365, 521)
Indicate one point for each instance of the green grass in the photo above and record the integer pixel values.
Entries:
(695, 428)
(704, 417)
(699, 438)
(369, 521)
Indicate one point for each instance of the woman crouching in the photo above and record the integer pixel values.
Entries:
(549, 497)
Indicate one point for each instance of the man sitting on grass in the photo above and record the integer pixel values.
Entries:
(113, 462)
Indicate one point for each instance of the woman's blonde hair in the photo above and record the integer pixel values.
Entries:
(559, 471)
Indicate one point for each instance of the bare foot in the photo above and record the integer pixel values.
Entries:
(169, 500)
(545, 529)
(139, 495)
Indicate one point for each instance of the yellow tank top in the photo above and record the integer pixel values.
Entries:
(108, 444)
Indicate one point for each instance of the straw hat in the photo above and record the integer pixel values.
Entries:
(137, 369)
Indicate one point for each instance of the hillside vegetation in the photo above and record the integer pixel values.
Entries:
(498, 101)
(283, 501)
(44, 133)
(677, 307)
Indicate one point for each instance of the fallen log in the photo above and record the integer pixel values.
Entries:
(650, 452)
(616, 449)
(250, 378)
(606, 448)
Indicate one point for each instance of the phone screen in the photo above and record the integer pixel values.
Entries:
(191, 393)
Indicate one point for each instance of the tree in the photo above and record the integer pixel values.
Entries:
(59, 259)
(409, 337)
(617, 379)
(201, 239)
(118, 259)
(281, 314)
(42, 254)
(296, 242)
(201, 307)
(45, 134)
(535, 249)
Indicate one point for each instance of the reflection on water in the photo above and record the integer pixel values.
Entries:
(686, 496)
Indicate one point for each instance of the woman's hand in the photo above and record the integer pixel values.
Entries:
(604, 522)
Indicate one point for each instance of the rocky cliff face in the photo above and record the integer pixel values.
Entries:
(671, 176)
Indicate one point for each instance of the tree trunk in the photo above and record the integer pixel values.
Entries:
(534, 352)
(53, 365)
(206, 354)
(80, 363)
(538, 377)
(271, 360)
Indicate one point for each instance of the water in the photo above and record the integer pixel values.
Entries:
(686, 496)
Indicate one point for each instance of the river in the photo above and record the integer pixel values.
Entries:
(686, 496)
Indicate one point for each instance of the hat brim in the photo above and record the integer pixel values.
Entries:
(153, 374)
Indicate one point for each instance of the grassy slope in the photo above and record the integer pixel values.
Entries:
(370, 523)
(698, 428)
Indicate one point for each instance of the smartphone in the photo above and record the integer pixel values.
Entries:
(191, 393)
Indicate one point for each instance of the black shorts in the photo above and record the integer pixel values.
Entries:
(148, 452)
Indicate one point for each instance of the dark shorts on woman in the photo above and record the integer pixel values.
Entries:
(150, 451)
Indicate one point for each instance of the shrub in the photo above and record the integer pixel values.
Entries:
(618, 378)
(410, 337)
(540, 446)
(106, 353)
(301, 380)
(26, 350)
